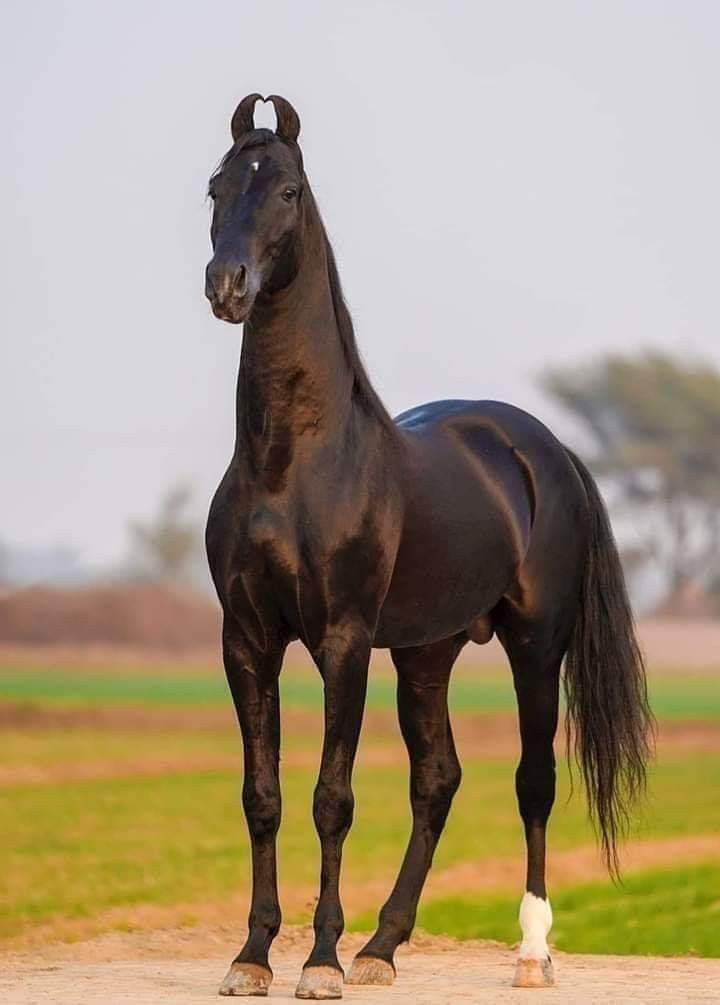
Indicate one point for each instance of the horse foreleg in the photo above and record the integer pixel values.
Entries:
(343, 664)
(423, 677)
(253, 683)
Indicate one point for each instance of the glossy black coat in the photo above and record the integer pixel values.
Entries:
(347, 530)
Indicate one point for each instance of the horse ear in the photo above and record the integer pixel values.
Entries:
(288, 120)
(242, 120)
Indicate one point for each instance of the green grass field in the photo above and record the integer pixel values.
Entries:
(671, 912)
(165, 830)
(674, 696)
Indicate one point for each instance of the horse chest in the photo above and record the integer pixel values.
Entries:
(312, 576)
(266, 527)
(281, 582)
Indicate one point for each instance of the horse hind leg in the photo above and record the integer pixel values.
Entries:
(535, 657)
(423, 678)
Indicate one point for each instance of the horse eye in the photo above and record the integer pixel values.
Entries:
(289, 194)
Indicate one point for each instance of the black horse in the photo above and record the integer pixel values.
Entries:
(347, 530)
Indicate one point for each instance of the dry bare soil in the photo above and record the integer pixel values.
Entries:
(184, 967)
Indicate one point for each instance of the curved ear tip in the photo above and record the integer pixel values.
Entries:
(242, 118)
(288, 118)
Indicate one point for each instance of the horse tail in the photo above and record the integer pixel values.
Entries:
(609, 723)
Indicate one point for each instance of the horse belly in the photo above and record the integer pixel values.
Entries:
(443, 583)
(466, 530)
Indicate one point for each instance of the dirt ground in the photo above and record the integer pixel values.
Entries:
(184, 967)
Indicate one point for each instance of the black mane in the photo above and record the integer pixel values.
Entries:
(363, 390)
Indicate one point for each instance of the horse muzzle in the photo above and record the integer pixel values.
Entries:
(230, 290)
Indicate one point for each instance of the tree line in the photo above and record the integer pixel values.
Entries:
(654, 422)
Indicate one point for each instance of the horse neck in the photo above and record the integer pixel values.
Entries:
(295, 383)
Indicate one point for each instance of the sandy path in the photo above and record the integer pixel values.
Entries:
(118, 969)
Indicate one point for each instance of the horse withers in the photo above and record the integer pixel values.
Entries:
(339, 526)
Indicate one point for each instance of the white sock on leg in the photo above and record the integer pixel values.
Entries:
(535, 921)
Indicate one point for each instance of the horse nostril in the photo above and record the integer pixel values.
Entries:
(226, 281)
(241, 282)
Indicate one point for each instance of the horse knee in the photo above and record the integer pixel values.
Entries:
(333, 806)
(262, 810)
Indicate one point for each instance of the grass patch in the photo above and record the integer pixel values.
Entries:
(685, 697)
(77, 849)
(666, 913)
(298, 690)
(55, 748)
(488, 690)
(62, 687)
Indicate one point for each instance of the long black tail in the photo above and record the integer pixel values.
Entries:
(609, 722)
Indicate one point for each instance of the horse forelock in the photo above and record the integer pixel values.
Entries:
(255, 138)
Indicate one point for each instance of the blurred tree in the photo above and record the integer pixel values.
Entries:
(655, 420)
(168, 544)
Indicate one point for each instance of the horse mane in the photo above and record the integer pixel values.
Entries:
(363, 389)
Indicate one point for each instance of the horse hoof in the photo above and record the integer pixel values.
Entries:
(246, 979)
(370, 970)
(534, 974)
(320, 982)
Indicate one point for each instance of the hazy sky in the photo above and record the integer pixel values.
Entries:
(507, 185)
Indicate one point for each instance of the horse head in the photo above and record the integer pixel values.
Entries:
(257, 198)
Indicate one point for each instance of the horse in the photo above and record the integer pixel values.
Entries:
(336, 525)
